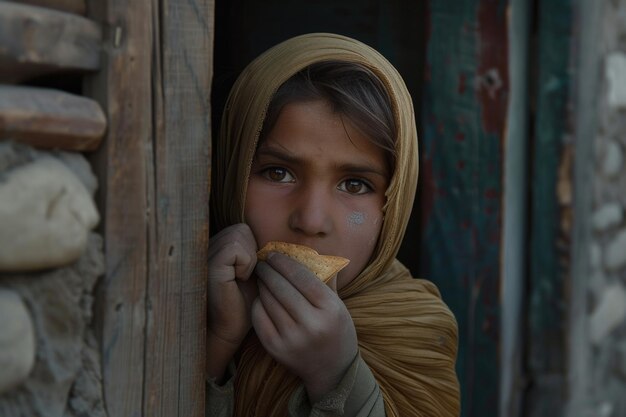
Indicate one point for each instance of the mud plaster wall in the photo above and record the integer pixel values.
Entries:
(607, 247)
(50, 261)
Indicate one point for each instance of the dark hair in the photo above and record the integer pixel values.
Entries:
(352, 90)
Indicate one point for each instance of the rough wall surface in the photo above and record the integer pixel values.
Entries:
(63, 377)
(607, 249)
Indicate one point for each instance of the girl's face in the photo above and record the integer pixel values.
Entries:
(317, 181)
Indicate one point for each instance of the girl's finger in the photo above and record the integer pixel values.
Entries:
(264, 328)
(233, 248)
(295, 303)
(303, 280)
(280, 317)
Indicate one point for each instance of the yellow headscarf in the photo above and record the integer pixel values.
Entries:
(406, 334)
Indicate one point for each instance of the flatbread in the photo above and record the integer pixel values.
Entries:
(324, 266)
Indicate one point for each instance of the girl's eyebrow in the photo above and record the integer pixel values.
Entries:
(362, 169)
(285, 155)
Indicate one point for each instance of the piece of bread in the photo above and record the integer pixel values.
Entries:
(324, 266)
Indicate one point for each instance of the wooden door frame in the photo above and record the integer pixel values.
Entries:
(154, 168)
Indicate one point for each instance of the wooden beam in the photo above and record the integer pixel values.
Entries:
(50, 119)
(70, 6)
(551, 210)
(514, 263)
(123, 87)
(179, 224)
(36, 41)
(154, 167)
(462, 167)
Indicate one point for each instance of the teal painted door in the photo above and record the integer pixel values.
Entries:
(464, 116)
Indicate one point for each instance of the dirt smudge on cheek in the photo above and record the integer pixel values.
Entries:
(356, 218)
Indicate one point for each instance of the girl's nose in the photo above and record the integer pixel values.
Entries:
(311, 212)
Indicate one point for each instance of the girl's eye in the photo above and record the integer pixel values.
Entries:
(278, 174)
(354, 186)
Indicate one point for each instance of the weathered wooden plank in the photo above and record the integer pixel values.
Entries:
(35, 41)
(155, 165)
(70, 6)
(515, 220)
(50, 119)
(462, 155)
(124, 89)
(178, 195)
(551, 209)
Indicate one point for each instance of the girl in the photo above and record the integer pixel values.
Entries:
(318, 147)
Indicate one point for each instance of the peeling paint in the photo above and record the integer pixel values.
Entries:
(466, 97)
(493, 67)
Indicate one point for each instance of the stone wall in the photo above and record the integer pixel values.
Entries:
(607, 249)
(50, 261)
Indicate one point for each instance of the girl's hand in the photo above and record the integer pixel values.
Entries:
(303, 324)
(232, 257)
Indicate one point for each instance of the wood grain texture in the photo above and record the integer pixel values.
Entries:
(155, 161)
(50, 119)
(70, 6)
(124, 89)
(35, 41)
(179, 195)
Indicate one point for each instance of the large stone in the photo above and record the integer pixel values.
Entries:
(45, 216)
(597, 286)
(66, 380)
(605, 409)
(615, 257)
(50, 119)
(77, 163)
(607, 216)
(610, 313)
(36, 41)
(621, 359)
(14, 154)
(613, 159)
(17, 341)
(616, 76)
(595, 255)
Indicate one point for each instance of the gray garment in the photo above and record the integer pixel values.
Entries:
(357, 395)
